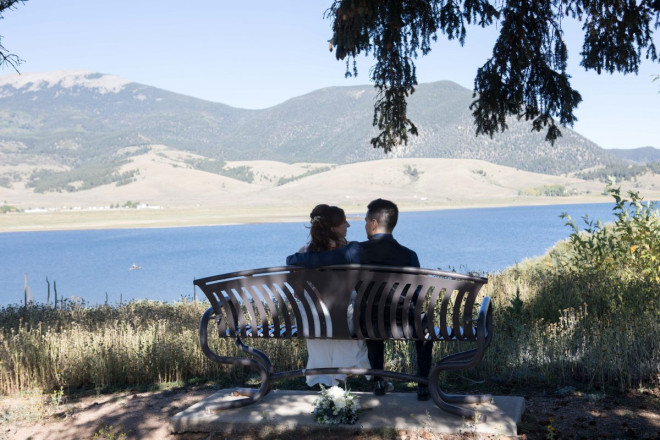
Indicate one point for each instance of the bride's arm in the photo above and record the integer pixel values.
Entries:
(344, 255)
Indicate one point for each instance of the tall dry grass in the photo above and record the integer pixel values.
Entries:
(559, 344)
(147, 342)
(100, 347)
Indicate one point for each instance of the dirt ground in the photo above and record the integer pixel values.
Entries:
(145, 415)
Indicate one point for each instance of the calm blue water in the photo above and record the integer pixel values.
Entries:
(93, 264)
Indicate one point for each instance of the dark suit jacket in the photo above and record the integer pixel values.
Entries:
(383, 249)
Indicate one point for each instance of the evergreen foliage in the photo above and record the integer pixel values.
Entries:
(220, 167)
(208, 165)
(317, 170)
(5, 56)
(243, 173)
(619, 171)
(526, 75)
(82, 178)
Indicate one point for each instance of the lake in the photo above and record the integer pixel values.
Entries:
(95, 264)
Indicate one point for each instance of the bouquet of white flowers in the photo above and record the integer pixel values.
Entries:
(335, 406)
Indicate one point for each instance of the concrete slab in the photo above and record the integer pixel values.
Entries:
(283, 410)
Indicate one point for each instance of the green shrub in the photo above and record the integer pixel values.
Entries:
(587, 311)
(623, 256)
(556, 190)
(4, 209)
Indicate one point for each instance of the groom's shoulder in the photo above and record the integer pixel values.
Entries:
(387, 241)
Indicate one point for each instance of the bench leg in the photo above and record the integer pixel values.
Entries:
(253, 395)
(260, 362)
(445, 401)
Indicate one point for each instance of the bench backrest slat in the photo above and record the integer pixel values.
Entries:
(283, 311)
(386, 303)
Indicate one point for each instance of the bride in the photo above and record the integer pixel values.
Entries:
(327, 232)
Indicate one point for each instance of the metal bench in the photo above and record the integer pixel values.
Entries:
(293, 302)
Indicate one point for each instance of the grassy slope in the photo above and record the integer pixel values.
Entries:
(193, 197)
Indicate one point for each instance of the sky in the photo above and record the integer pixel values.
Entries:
(259, 53)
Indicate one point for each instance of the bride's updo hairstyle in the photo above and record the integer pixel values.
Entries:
(322, 219)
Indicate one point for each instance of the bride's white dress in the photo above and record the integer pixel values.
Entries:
(325, 353)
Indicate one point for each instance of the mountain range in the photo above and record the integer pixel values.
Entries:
(77, 118)
(79, 138)
(643, 155)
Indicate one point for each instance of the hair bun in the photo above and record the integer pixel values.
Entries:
(318, 211)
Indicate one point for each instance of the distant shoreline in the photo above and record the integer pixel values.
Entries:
(220, 216)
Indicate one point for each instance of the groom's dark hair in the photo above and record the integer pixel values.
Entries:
(384, 212)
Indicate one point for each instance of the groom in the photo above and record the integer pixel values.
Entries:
(380, 249)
